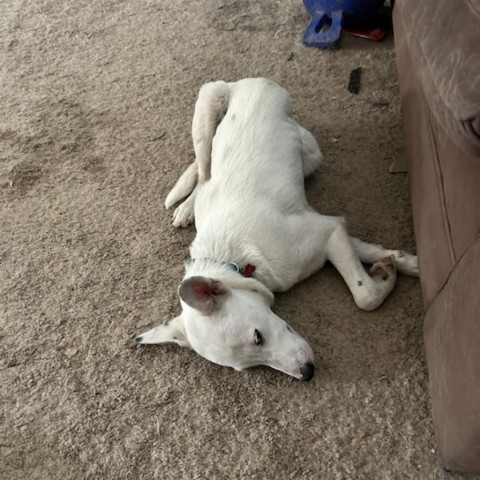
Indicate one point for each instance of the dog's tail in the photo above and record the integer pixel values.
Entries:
(211, 106)
(184, 186)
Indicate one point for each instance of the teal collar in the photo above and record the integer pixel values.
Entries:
(246, 271)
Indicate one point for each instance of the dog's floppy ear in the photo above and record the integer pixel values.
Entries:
(171, 331)
(202, 294)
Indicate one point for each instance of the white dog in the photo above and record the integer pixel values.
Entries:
(256, 233)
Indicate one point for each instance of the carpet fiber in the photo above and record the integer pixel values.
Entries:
(96, 104)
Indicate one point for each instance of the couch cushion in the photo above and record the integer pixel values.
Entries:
(452, 339)
(444, 180)
(444, 38)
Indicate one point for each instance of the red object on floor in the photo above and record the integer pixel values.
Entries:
(376, 34)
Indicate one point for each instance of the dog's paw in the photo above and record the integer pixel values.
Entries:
(183, 215)
(383, 269)
(407, 263)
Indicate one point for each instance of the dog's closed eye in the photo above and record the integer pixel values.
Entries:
(258, 337)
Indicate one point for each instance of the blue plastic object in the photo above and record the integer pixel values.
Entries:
(329, 16)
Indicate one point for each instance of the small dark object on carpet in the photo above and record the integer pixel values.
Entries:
(354, 82)
(159, 137)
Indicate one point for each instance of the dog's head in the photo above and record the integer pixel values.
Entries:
(230, 323)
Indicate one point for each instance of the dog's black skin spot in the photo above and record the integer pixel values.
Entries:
(174, 338)
(138, 339)
(359, 283)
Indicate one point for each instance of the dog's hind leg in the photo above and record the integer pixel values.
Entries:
(371, 253)
(210, 108)
(311, 154)
(369, 291)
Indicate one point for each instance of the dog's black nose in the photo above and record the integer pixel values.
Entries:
(307, 371)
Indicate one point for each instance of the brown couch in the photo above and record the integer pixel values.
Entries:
(438, 58)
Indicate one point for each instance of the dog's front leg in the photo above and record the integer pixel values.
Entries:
(369, 291)
(371, 253)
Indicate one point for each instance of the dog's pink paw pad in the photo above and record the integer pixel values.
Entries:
(382, 269)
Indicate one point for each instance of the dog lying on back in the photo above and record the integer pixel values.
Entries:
(256, 233)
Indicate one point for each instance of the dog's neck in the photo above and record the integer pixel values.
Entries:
(227, 247)
(246, 271)
(212, 267)
(229, 273)
(244, 263)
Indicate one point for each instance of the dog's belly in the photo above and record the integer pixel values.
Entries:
(261, 162)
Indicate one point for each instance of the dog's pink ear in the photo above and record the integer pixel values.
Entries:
(202, 294)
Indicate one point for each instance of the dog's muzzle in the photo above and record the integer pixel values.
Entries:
(307, 371)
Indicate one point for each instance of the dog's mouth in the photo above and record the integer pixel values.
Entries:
(305, 372)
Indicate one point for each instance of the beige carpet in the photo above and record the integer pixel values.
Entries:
(96, 102)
